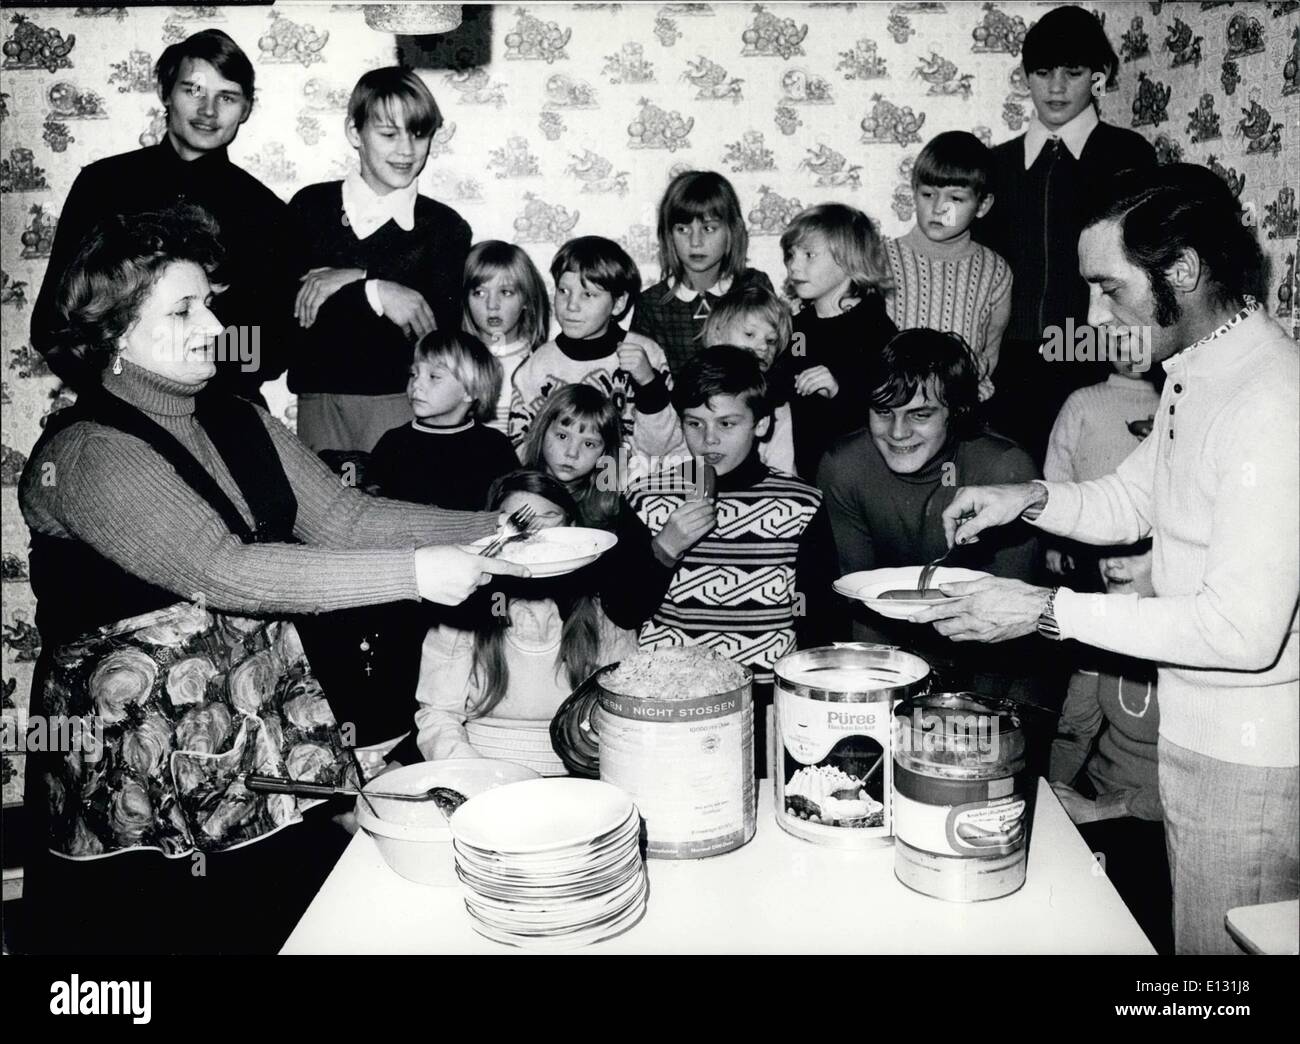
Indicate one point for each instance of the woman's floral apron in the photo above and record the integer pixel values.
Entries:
(170, 710)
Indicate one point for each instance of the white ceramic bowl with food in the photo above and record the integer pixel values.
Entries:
(555, 551)
(414, 836)
(868, 585)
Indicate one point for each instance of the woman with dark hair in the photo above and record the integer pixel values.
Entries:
(205, 83)
(886, 487)
(174, 531)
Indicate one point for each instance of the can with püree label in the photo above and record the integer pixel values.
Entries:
(961, 797)
(834, 773)
(687, 763)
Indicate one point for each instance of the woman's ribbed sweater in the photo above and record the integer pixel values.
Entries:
(117, 495)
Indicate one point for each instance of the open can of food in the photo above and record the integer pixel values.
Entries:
(961, 797)
(834, 773)
(676, 728)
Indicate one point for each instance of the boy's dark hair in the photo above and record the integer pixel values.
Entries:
(919, 359)
(954, 158)
(211, 46)
(1181, 206)
(1067, 36)
(722, 370)
(602, 262)
(398, 93)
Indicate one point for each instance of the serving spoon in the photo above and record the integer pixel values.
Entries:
(447, 799)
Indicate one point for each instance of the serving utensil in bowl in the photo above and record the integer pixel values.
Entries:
(445, 798)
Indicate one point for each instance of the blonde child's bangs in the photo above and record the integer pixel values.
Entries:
(492, 258)
(470, 363)
(861, 256)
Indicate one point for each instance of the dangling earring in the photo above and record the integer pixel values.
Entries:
(117, 364)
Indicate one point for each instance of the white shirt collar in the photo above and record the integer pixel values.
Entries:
(367, 212)
(1074, 134)
(686, 293)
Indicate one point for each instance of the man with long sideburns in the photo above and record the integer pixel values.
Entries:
(1217, 487)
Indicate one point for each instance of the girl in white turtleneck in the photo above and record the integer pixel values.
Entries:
(490, 687)
(507, 308)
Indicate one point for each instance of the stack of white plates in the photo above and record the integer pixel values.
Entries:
(550, 863)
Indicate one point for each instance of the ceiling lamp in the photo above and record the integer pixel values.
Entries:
(413, 19)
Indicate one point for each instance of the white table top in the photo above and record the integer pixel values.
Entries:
(778, 894)
(1267, 928)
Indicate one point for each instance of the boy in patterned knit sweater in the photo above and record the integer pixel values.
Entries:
(943, 279)
(734, 589)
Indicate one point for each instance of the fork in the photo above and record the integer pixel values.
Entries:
(519, 521)
(928, 571)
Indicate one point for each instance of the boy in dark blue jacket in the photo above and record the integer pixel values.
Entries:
(1042, 181)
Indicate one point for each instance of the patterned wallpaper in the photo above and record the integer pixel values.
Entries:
(566, 120)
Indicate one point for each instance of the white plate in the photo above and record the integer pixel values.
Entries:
(588, 851)
(595, 931)
(540, 815)
(556, 551)
(864, 586)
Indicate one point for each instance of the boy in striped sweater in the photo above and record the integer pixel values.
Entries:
(734, 589)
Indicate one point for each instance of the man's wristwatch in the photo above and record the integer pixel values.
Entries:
(1047, 625)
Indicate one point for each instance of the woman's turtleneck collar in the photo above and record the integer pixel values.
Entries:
(932, 471)
(746, 474)
(151, 392)
(588, 348)
(920, 243)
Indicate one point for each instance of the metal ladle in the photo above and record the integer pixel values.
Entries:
(445, 798)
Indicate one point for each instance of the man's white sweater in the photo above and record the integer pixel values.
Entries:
(1217, 486)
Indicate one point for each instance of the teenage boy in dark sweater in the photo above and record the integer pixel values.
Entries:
(381, 267)
(206, 85)
(1042, 181)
